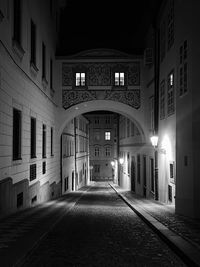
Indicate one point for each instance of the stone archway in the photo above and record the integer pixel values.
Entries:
(65, 116)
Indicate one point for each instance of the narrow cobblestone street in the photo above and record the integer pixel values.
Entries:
(101, 230)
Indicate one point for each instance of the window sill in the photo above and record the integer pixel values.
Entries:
(44, 83)
(33, 159)
(52, 92)
(34, 69)
(17, 162)
(19, 51)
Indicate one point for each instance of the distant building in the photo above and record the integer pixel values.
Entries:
(103, 144)
(75, 155)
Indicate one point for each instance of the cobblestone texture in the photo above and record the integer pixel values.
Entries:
(101, 230)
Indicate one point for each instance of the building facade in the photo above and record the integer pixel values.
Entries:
(103, 128)
(75, 155)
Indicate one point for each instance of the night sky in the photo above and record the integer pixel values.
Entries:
(109, 24)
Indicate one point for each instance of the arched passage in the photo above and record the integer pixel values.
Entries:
(137, 116)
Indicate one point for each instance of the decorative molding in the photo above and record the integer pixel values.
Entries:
(128, 97)
(101, 74)
(71, 98)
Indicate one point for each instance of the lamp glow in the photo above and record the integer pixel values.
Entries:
(112, 163)
(154, 140)
(121, 160)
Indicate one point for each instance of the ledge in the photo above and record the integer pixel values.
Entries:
(44, 83)
(17, 48)
(33, 68)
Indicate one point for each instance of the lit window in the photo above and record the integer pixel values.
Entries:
(107, 135)
(119, 78)
(80, 79)
(170, 94)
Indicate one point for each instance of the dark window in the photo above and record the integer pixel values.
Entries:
(170, 192)
(162, 41)
(17, 121)
(33, 43)
(44, 141)
(170, 25)
(97, 168)
(138, 169)
(17, 21)
(33, 172)
(51, 141)
(34, 199)
(19, 199)
(128, 163)
(51, 74)
(43, 167)
(43, 61)
(33, 137)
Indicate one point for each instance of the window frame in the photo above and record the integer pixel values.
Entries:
(17, 135)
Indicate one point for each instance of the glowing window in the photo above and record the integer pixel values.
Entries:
(80, 79)
(119, 78)
(107, 135)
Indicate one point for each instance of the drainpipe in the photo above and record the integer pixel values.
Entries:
(61, 164)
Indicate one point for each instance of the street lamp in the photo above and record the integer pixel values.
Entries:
(121, 161)
(112, 163)
(154, 142)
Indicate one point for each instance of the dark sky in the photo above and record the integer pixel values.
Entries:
(121, 25)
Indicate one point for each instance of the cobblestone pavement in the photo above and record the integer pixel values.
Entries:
(187, 228)
(101, 230)
(19, 231)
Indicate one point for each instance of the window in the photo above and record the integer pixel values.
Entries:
(162, 100)
(138, 168)
(17, 21)
(119, 78)
(96, 120)
(43, 61)
(107, 135)
(51, 141)
(128, 164)
(33, 138)
(108, 151)
(17, 125)
(183, 69)
(170, 24)
(96, 151)
(171, 172)
(33, 172)
(43, 167)
(97, 168)
(44, 141)
(107, 119)
(80, 79)
(170, 94)
(33, 43)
